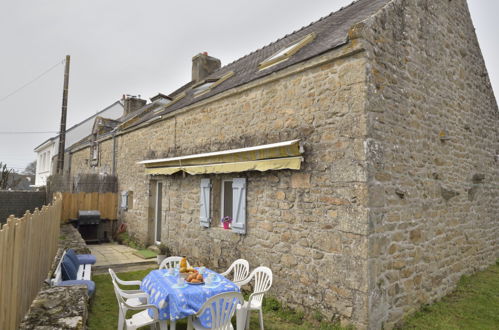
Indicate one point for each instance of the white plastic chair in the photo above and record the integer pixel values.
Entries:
(137, 320)
(135, 297)
(221, 308)
(263, 282)
(171, 262)
(240, 267)
(122, 282)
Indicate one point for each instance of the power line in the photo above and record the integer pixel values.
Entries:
(31, 81)
(28, 132)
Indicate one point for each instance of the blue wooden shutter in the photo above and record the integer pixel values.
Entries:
(239, 205)
(204, 201)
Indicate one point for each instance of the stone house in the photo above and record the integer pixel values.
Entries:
(46, 152)
(357, 156)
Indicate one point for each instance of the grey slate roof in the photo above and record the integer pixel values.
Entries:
(331, 32)
(76, 125)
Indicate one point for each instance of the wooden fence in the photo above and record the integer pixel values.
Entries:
(28, 246)
(106, 203)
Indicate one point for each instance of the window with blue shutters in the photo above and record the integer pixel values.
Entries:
(228, 200)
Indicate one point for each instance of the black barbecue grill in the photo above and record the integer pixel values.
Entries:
(88, 225)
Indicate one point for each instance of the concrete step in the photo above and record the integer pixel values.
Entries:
(125, 267)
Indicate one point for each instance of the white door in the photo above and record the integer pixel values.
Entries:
(158, 212)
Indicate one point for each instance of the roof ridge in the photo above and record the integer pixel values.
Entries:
(331, 32)
(295, 31)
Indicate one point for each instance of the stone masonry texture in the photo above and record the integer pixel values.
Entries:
(60, 307)
(398, 192)
(309, 226)
(432, 144)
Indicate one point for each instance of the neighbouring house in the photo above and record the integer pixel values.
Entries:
(356, 156)
(46, 164)
(18, 181)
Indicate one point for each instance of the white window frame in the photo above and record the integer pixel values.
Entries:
(222, 205)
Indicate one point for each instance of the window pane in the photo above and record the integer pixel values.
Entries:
(203, 87)
(227, 211)
(282, 52)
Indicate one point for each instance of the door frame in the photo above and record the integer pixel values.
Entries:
(158, 202)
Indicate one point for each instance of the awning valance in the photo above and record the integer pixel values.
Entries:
(276, 156)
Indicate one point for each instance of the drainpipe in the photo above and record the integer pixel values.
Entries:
(114, 152)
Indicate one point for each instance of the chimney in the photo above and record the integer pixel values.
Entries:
(132, 103)
(204, 65)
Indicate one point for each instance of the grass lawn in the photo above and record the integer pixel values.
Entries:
(473, 305)
(145, 254)
(104, 310)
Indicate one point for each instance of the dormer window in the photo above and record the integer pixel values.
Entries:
(286, 52)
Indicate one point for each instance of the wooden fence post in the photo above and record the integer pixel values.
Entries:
(27, 249)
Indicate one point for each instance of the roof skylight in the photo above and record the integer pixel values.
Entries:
(208, 85)
(286, 52)
(203, 87)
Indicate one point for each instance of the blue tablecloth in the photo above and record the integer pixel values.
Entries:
(176, 303)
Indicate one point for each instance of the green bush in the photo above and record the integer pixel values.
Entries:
(271, 304)
(164, 250)
(125, 239)
(317, 316)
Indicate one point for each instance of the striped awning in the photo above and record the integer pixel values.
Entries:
(276, 156)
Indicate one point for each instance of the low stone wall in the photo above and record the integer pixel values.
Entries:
(71, 239)
(60, 307)
(18, 202)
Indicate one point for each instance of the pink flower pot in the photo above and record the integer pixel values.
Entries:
(226, 225)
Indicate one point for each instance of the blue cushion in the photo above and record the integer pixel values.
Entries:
(73, 257)
(85, 259)
(90, 285)
(68, 269)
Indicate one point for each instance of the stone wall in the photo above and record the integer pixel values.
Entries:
(18, 202)
(71, 239)
(81, 163)
(105, 164)
(60, 307)
(398, 194)
(433, 136)
(309, 226)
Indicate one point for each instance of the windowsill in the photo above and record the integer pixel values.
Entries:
(221, 228)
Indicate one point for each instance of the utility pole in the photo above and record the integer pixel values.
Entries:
(62, 131)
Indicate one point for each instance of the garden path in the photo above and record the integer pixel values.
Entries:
(118, 257)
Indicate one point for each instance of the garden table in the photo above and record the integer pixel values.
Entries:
(176, 302)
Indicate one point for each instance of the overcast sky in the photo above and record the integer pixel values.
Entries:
(140, 47)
